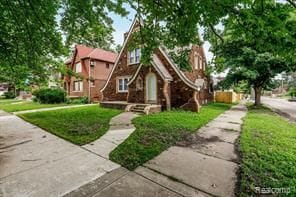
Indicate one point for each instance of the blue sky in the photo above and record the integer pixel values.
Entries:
(122, 24)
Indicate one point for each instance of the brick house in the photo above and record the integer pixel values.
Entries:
(93, 67)
(158, 86)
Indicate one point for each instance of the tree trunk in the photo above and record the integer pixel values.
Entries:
(258, 95)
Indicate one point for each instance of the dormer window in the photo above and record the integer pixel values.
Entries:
(134, 56)
(78, 68)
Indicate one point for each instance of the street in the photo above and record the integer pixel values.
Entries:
(283, 106)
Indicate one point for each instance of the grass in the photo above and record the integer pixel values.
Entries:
(14, 106)
(268, 148)
(77, 125)
(157, 132)
(8, 101)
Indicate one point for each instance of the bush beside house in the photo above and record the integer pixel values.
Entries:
(50, 96)
(9, 95)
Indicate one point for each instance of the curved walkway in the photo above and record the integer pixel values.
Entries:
(205, 165)
(120, 128)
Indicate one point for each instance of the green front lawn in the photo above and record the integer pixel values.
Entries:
(268, 147)
(157, 132)
(78, 125)
(14, 106)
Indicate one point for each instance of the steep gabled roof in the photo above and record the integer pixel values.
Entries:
(121, 51)
(101, 54)
(178, 71)
(84, 52)
(158, 66)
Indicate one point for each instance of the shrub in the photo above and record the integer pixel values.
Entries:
(48, 95)
(292, 91)
(80, 100)
(9, 95)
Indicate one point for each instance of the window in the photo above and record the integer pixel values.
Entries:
(107, 65)
(195, 61)
(78, 86)
(204, 65)
(134, 56)
(92, 63)
(122, 84)
(138, 55)
(78, 67)
(139, 83)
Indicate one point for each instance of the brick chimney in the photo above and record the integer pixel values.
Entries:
(125, 35)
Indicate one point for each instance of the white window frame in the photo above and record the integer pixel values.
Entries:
(134, 56)
(80, 67)
(122, 80)
(196, 62)
(204, 65)
(78, 86)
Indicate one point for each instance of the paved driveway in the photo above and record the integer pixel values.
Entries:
(284, 106)
(36, 163)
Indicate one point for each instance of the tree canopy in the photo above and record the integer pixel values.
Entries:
(258, 35)
(257, 43)
(36, 33)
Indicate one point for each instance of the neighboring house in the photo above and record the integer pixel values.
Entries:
(55, 79)
(3, 88)
(92, 67)
(161, 84)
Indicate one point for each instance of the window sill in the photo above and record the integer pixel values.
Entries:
(130, 64)
(122, 91)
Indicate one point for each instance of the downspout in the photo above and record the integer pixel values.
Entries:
(166, 95)
(196, 100)
(89, 81)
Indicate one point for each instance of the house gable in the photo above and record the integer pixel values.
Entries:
(120, 69)
(123, 52)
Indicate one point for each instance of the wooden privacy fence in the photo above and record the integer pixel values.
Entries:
(227, 97)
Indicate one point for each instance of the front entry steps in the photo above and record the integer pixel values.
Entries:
(139, 108)
(143, 108)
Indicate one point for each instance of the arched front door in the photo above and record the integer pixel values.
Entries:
(151, 88)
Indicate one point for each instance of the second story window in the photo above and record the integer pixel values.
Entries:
(107, 65)
(78, 67)
(92, 63)
(134, 56)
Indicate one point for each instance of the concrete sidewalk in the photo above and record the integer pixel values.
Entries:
(52, 108)
(205, 164)
(120, 128)
(36, 163)
(207, 160)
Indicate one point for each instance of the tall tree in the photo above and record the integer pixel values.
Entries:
(32, 31)
(258, 43)
(176, 22)
(87, 22)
